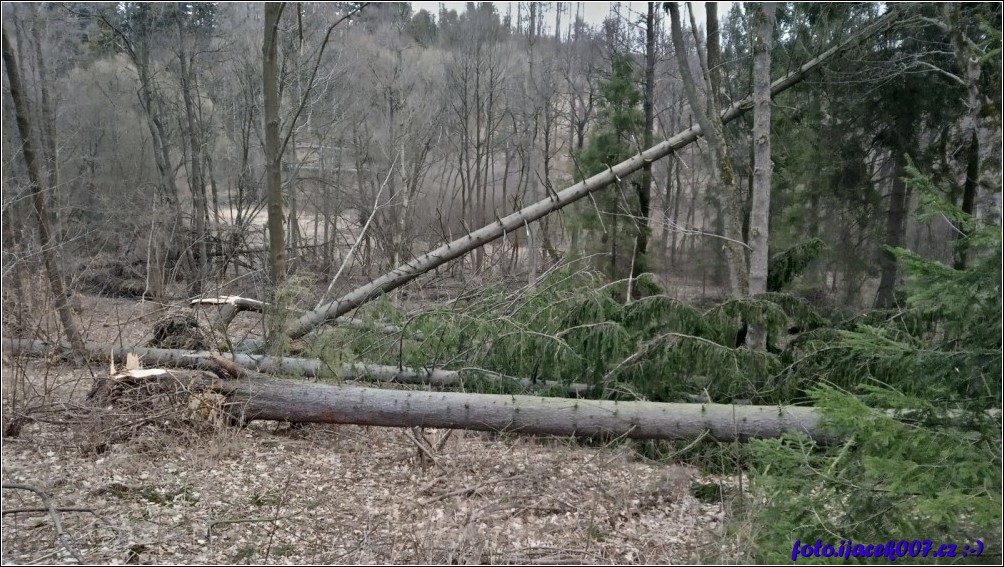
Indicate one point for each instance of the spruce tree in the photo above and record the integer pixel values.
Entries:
(617, 213)
(915, 396)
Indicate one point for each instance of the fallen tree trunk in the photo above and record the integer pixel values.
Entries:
(555, 201)
(229, 306)
(259, 397)
(290, 366)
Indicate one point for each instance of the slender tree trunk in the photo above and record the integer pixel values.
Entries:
(214, 192)
(293, 240)
(966, 59)
(714, 53)
(640, 263)
(273, 155)
(895, 231)
(50, 247)
(150, 102)
(968, 198)
(763, 43)
(48, 114)
(200, 209)
(723, 172)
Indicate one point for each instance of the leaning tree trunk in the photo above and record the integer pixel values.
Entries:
(555, 201)
(48, 241)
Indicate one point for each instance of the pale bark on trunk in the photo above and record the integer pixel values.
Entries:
(264, 398)
(260, 397)
(49, 244)
(723, 174)
(763, 43)
(553, 202)
(251, 396)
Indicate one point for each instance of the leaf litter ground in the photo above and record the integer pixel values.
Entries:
(158, 490)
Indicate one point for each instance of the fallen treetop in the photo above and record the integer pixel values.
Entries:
(555, 201)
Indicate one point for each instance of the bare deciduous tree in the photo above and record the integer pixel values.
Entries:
(47, 241)
(705, 110)
(273, 151)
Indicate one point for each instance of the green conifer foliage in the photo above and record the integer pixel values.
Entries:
(614, 218)
(916, 395)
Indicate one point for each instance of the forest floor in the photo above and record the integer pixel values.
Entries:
(160, 490)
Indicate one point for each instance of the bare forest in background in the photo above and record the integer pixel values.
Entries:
(758, 239)
(418, 127)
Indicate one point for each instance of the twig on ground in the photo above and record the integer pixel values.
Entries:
(64, 539)
(37, 509)
(423, 446)
(470, 490)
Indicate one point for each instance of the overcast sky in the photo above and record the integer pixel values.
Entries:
(592, 12)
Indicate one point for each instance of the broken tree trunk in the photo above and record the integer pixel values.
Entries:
(555, 201)
(259, 397)
(290, 366)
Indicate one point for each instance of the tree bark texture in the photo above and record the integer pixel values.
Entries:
(200, 209)
(295, 401)
(47, 241)
(899, 198)
(273, 154)
(713, 126)
(763, 43)
(714, 51)
(555, 201)
(259, 397)
(640, 263)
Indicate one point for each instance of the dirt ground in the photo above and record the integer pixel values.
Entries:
(154, 488)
